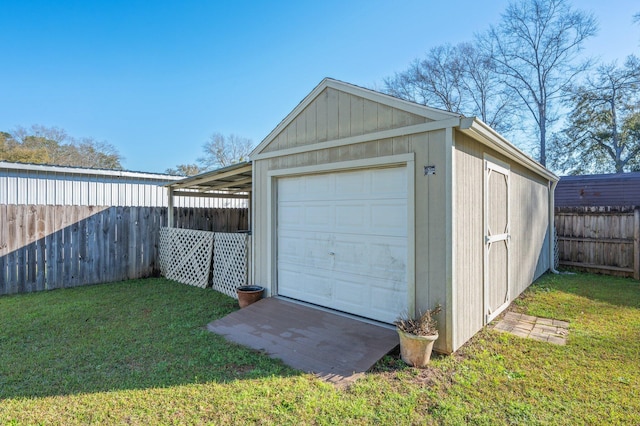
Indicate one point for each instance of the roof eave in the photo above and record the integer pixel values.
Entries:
(231, 170)
(479, 130)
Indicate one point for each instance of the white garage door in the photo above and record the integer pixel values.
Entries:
(342, 241)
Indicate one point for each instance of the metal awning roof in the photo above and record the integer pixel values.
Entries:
(228, 182)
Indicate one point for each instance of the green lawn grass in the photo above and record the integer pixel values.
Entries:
(136, 352)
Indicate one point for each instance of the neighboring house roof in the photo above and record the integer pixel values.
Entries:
(619, 189)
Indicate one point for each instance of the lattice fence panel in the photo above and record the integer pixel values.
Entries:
(230, 262)
(185, 255)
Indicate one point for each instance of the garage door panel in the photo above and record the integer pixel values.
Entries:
(385, 303)
(389, 218)
(351, 217)
(314, 287)
(305, 249)
(389, 261)
(350, 290)
(370, 297)
(391, 181)
(289, 247)
(291, 214)
(372, 257)
(318, 186)
(290, 189)
(347, 250)
(318, 216)
(352, 184)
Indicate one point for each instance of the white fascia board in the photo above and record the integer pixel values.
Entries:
(489, 137)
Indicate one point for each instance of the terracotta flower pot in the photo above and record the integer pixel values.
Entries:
(248, 294)
(416, 350)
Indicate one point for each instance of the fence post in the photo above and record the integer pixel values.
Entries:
(636, 243)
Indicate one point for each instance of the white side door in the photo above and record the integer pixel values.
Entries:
(497, 235)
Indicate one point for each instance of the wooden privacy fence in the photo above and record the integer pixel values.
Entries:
(600, 239)
(46, 247)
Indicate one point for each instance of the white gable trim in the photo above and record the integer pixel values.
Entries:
(367, 137)
(408, 106)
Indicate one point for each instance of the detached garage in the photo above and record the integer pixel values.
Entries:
(372, 206)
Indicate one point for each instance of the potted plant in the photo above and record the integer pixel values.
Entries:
(248, 294)
(417, 336)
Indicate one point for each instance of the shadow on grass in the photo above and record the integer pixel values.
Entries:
(130, 335)
(603, 288)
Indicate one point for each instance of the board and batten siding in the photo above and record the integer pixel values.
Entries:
(529, 250)
(337, 115)
(30, 184)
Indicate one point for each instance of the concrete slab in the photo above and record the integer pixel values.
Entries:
(337, 348)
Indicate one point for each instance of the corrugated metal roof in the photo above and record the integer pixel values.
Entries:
(620, 189)
(44, 168)
(232, 181)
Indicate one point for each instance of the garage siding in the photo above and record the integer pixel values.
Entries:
(529, 220)
(530, 252)
(469, 228)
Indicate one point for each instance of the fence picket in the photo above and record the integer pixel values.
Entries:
(46, 247)
(599, 239)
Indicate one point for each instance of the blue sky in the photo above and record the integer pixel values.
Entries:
(156, 78)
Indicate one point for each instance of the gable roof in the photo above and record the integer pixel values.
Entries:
(432, 114)
(471, 126)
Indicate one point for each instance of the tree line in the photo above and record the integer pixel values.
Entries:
(524, 74)
(51, 145)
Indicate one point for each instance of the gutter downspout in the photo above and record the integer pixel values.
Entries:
(552, 228)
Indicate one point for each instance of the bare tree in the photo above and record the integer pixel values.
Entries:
(459, 79)
(536, 47)
(185, 170)
(433, 81)
(485, 95)
(222, 151)
(603, 132)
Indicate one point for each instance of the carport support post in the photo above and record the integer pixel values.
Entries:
(170, 208)
(636, 243)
